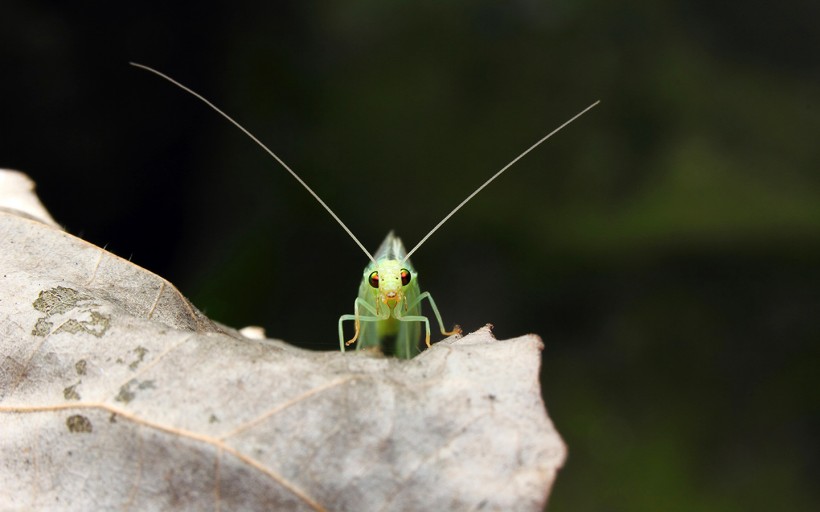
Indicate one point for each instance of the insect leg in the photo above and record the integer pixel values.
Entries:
(414, 318)
(374, 316)
(426, 295)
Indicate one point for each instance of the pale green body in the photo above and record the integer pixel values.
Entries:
(392, 309)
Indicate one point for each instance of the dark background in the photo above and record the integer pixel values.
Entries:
(666, 246)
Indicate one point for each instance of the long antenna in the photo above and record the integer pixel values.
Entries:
(271, 153)
(494, 176)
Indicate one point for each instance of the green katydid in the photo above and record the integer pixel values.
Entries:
(389, 300)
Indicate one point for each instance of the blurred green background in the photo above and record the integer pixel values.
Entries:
(666, 246)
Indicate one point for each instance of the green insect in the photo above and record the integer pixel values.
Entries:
(389, 303)
(389, 300)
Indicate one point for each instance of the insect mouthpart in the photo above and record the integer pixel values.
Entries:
(391, 298)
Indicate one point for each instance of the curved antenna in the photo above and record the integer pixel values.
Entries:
(494, 176)
(271, 153)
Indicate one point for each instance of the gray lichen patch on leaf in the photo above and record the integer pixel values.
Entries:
(70, 392)
(125, 395)
(61, 301)
(42, 327)
(128, 390)
(58, 300)
(96, 325)
(140, 351)
(79, 424)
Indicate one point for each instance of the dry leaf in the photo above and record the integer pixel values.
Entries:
(116, 393)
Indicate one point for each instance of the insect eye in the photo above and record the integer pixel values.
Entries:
(374, 279)
(405, 277)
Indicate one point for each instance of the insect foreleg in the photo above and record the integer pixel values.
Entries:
(415, 318)
(426, 295)
(374, 316)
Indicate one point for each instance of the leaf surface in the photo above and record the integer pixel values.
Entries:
(116, 393)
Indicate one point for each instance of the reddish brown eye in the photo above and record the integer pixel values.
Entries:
(374, 279)
(405, 277)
